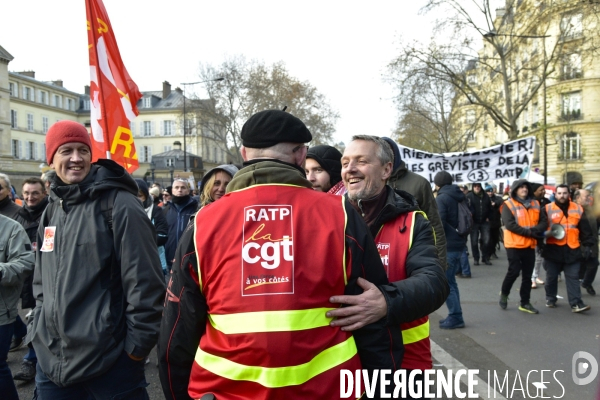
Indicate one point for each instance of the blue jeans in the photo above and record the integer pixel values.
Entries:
(453, 300)
(20, 328)
(571, 280)
(465, 266)
(124, 380)
(8, 391)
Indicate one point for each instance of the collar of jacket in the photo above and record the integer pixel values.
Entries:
(266, 172)
(397, 202)
(5, 202)
(34, 213)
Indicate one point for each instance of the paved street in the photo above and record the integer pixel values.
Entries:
(494, 341)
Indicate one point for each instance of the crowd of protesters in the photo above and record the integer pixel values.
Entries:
(111, 266)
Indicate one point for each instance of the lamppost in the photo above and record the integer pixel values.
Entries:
(492, 34)
(152, 168)
(171, 170)
(184, 117)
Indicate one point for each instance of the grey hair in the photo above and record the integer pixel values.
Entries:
(385, 154)
(6, 179)
(49, 175)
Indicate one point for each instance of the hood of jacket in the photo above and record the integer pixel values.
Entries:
(104, 175)
(229, 168)
(518, 183)
(452, 191)
(268, 172)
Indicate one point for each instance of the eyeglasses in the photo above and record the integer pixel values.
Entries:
(295, 149)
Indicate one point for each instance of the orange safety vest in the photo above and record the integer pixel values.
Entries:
(267, 285)
(394, 240)
(526, 218)
(570, 223)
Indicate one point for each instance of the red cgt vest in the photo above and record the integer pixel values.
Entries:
(393, 242)
(267, 285)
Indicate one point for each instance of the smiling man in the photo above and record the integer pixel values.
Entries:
(404, 237)
(98, 280)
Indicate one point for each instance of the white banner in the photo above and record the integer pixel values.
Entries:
(504, 161)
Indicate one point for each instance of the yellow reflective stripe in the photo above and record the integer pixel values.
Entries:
(416, 333)
(270, 321)
(266, 184)
(196, 248)
(412, 227)
(281, 376)
(344, 249)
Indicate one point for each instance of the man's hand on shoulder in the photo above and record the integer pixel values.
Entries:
(363, 309)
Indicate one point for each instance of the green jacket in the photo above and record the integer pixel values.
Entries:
(420, 188)
(16, 264)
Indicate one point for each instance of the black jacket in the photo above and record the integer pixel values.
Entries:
(481, 205)
(9, 208)
(425, 289)
(29, 218)
(185, 314)
(495, 215)
(447, 200)
(99, 291)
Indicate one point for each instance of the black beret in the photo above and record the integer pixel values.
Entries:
(330, 159)
(270, 127)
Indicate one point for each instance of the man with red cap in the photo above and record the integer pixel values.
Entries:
(98, 280)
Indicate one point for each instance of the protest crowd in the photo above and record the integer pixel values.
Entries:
(277, 275)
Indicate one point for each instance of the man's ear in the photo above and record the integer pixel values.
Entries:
(387, 171)
(243, 153)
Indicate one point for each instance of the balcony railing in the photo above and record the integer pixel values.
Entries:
(573, 115)
(571, 75)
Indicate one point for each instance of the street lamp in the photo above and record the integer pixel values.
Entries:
(171, 170)
(489, 36)
(152, 168)
(184, 117)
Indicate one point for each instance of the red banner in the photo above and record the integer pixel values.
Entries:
(113, 94)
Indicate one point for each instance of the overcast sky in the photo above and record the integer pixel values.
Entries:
(337, 46)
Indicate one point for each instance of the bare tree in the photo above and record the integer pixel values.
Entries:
(249, 87)
(429, 120)
(524, 42)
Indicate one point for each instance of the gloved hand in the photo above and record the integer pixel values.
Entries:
(586, 253)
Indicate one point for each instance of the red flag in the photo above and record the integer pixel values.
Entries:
(113, 94)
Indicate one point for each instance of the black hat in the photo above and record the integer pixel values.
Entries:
(396, 151)
(270, 127)
(442, 178)
(330, 159)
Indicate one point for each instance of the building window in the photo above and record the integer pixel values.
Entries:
(470, 117)
(57, 101)
(167, 148)
(167, 128)
(11, 89)
(70, 105)
(571, 26)
(169, 162)
(536, 115)
(571, 106)
(147, 128)
(471, 136)
(43, 97)
(30, 150)
(27, 93)
(571, 66)
(13, 119)
(571, 146)
(145, 154)
(44, 124)
(86, 104)
(147, 102)
(526, 119)
(30, 122)
(16, 148)
(472, 79)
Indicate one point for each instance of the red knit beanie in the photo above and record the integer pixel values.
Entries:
(65, 132)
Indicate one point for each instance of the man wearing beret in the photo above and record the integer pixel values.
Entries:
(98, 281)
(245, 315)
(323, 167)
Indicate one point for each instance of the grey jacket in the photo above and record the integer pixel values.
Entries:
(16, 264)
(99, 291)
